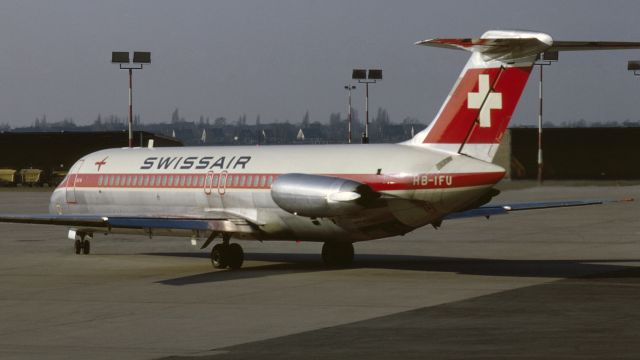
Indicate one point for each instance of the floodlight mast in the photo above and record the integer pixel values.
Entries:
(366, 77)
(139, 59)
(544, 59)
(349, 87)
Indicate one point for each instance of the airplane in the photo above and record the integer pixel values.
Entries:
(334, 194)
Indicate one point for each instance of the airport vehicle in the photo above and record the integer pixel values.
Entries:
(335, 194)
(30, 177)
(7, 177)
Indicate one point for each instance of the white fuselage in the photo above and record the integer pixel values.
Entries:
(419, 186)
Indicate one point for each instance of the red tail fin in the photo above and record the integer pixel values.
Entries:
(478, 110)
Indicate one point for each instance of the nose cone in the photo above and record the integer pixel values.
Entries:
(56, 202)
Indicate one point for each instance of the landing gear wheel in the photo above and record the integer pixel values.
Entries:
(219, 256)
(235, 256)
(338, 254)
(78, 246)
(86, 247)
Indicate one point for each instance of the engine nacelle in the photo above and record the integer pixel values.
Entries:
(320, 196)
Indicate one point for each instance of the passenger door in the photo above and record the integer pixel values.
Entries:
(70, 188)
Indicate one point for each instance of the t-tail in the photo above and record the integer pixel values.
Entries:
(478, 110)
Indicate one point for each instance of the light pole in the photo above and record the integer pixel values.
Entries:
(366, 77)
(139, 59)
(545, 59)
(349, 88)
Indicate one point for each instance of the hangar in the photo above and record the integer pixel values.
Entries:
(55, 152)
(594, 153)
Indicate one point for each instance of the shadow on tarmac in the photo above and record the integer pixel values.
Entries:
(283, 263)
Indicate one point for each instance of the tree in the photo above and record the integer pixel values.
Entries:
(410, 121)
(242, 120)
(175, 116)
(381, 121)
(220, 121)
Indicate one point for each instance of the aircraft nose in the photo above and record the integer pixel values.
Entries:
(56, 202)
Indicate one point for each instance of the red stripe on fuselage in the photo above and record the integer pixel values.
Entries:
(382, 182)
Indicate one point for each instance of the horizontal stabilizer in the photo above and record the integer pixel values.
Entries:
(512, 45)
(497, 44)
(593, 45)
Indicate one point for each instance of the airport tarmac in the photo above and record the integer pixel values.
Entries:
(557, 283)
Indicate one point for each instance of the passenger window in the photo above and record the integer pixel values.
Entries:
(182, 180)
(128, 180)
(229, 180)
(164, 180)
(112, 180)
(117, 180)
(170, 182)
(189, 181)
(215, 180)
(201, 180)
(243, 179)
(249, 179)
(270, 180)
(256, 180)
(134, 181)
(263, 180)
(146, 181)
(140, 179)
(100, 180)
(236, 179)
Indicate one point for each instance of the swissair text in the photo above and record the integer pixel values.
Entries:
(195, 162)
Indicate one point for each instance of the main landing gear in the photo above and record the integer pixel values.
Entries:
(227, 255)
(337, 254)
(82, 244)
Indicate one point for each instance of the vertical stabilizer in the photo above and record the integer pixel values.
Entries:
(477, 112)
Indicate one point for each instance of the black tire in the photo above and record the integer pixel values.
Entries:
(219, 256)
(235, 256)
(86, 247)
(337, 254)
(78, 246)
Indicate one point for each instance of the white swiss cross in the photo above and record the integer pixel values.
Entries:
(494, 100)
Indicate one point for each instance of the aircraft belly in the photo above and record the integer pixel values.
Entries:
(397, 216)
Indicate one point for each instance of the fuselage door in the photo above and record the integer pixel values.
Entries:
(70, 188)
(208, 183)
(222, 184)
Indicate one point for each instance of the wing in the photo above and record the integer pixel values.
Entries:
(490, 210)
(99, 222)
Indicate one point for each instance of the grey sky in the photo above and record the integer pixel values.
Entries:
(281, 58)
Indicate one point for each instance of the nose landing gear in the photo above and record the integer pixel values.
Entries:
(82, 245)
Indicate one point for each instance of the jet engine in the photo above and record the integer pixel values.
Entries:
(320, 196)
